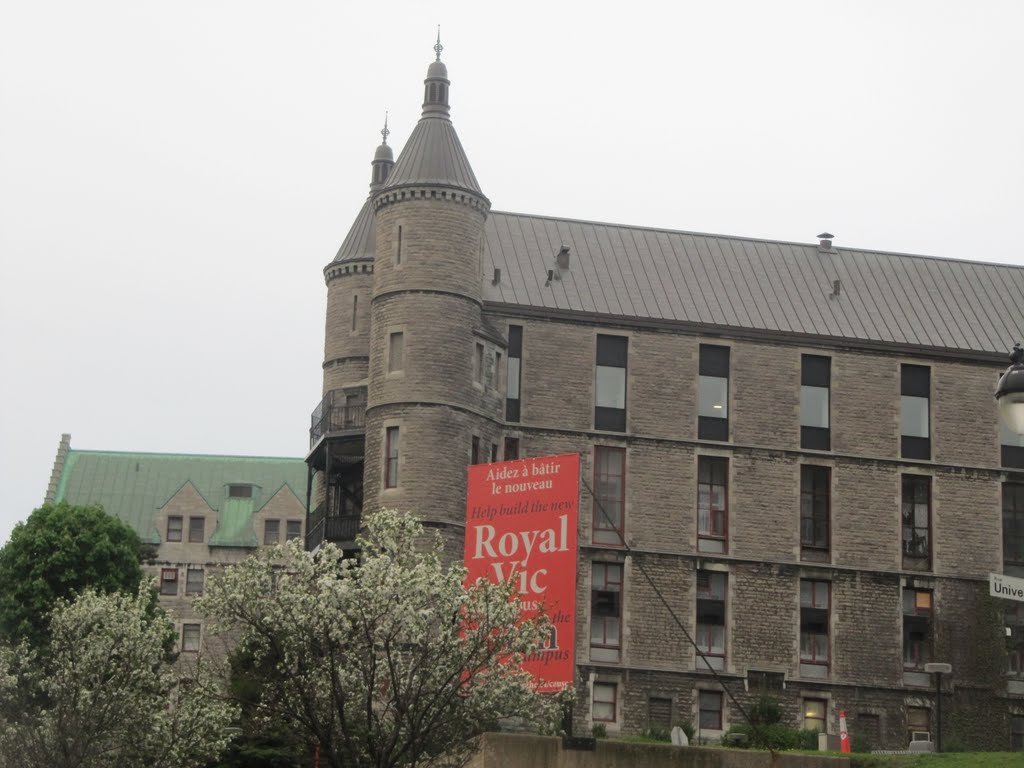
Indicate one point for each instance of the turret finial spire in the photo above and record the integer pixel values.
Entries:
(385, 132)
(437, 46)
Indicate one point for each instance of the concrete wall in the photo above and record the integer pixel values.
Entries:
(505, 750)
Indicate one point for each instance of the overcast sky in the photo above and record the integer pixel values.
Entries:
(174, 176)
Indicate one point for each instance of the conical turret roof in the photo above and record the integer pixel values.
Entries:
(433, 154)
(361, 241)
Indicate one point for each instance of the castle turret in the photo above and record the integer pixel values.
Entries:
(433, 394)
(337, 424)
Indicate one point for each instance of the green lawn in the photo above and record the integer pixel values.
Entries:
(948, 760)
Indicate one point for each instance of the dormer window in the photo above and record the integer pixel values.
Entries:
(239, 491)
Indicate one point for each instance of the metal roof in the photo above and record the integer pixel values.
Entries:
(361, 241)
(433, 155)
(134, 486)
(753, 285)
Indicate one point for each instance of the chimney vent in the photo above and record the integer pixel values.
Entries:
(562, 259)
(825, 243)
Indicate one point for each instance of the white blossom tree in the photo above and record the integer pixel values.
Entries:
(105, 693)
(386, 661)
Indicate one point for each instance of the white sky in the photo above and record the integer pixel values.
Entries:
(174, 176)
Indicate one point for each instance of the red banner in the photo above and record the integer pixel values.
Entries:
(521, 519)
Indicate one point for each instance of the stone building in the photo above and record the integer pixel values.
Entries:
(199, 514)
(791, 447)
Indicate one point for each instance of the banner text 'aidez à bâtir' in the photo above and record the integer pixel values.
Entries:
(521, 519)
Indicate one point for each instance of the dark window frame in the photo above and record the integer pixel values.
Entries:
(710, 607)
(175, 532)
(604, 684)
(714, 360)
(515, 352)
(1013, 524)
(917, 631)
(165, 582)
(606, 607)
(816, 371)
(392, 436)
(916, 548)
(292, 530)
(271, 524)
(198, 636)
(813, 616)
(611, 352)
(716, 712)
(196, 535)
(915, 381)
(190, 587)
(818, 721)
(720, 515)
(511, 449)
(815, 491)
(602, 522)
(240, 491)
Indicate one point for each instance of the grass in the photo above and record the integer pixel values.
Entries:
(948, 760)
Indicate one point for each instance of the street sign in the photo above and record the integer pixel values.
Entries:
(1007, 587)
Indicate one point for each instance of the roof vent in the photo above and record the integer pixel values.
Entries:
(825, 241)
(497, 276)
(562, 259)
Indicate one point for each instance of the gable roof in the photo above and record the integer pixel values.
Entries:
(134, 486)
(744, 284)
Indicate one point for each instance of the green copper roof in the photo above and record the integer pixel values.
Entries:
(134, 486)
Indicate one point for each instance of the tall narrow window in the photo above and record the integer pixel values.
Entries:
(174, 528)
(494, 452)
(293, 530)
(271, 532)
(604, 703)
(474, 450)
(815, 715)
(815, 601)
(511, 448)
(919, 726)
(478, 363)
(917, 522)
(915, 399)
(1011, 447)
(710, 714)
(814, 512)
(609, 494)
(391, 458)
(711, 589)
(917, 636)
(197, 530)
(1017, 733)
(606, 612)
(515, 359)
(194, 578)
(169, 581)
(713, 393)
(355, 308)
(610, 383)
(1013, 616)
(190, 638)
(396, 351)
(712, 504)
(398, 246)
(1013, 528)
(815, 381)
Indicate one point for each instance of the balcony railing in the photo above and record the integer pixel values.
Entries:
(335, 414)
(339, 529)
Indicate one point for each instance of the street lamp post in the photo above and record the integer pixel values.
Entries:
(1010, 392)
(938, 669)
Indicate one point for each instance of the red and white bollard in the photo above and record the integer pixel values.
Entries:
(844, 735)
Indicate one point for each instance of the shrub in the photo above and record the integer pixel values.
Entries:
(599, 731)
